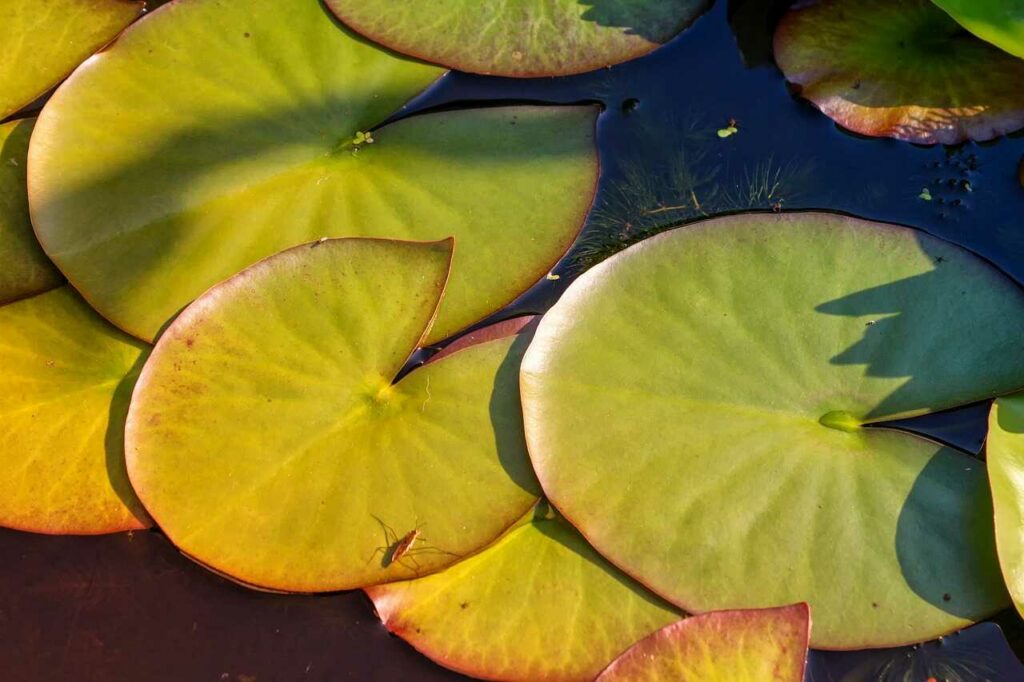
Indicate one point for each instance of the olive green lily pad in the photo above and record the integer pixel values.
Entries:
(526, 38)
(1005, 460)
(697, 406)
(257, 126)
(899, 69)
(24, 268)
(66, 378)
(269, 441)
(42, 41)
(760, 645)
(538, 605)
(1000, 22)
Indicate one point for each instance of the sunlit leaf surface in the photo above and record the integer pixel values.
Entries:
(763, 645)
(525, 38)
(41, 41)
(270, 442)
(216, 133)
(698, 405)
(66, 377)
(1005, 457)
(1000, 22)
(538, 605)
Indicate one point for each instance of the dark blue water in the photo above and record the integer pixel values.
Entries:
(125, 607)
(663, 162)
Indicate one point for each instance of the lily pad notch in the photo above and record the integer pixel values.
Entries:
(270, 440)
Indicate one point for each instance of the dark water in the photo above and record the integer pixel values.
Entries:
(130, 608)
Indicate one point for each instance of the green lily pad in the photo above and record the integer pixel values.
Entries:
(763, 645)
(66, 378)
(269, 441)
(1005, 459)
(42, 41)
(539, 604)
(523, 39)
(243, 139)
(24, 268)
(1000, 22)
(900, 69)
(721, 378)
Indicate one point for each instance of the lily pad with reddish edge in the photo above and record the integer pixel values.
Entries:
(271, 442)
(729, 385)
(762, 645)
(539, 605)
(1000, 22)
(523, 39)
(24, 268)
(255, 126)
(66, 378)
(899, 69)
(42, 41)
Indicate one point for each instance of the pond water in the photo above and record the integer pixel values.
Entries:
(128, 606)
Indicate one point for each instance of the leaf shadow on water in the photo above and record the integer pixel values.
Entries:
(657, 22)
(937, 334)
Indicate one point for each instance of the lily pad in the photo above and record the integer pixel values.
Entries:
(1000, 22)
(726, 384)
(24, 268)
(257, 126)
(538, 605)
(899, 69)
(763, 645)
(1005, 458)
(522, 39)
(66, 378)
(42, 41)
(268, 439)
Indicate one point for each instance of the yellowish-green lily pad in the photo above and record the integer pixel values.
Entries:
(759, 645)
(42, 41)
(270, 441)
(1005, 457)
(539, 605)
(525, 38)
(1000, 22)
(24, 268)
(241, 138)
(706, 407)
(66, 378)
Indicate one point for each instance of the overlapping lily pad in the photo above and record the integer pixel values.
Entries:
(268, 440)
(900, 69)
(1005, 459)
(41, 41)
(522, 39)
(24, 268)
(763, 645)
(1000, 22)
(538, 605)
(698, 406)
(257, 126)
(66, 377)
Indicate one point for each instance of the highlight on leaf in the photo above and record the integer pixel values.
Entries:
(272, 440)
